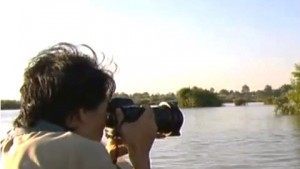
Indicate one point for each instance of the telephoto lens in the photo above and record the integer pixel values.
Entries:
(168, 117)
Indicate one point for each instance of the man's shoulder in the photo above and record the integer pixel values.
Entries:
(59, 149)
(75, 147)
(89, 153)
(65, 139)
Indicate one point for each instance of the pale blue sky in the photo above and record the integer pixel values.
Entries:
(160, 46)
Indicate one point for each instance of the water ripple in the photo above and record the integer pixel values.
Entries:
(229, 138)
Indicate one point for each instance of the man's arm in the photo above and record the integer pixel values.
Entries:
(139, 160)
(123, 164)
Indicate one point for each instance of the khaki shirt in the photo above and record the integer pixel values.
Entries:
(55, 150)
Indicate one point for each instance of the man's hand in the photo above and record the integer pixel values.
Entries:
(138, 137)
(111, 147)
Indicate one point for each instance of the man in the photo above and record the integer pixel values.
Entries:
(64, 100)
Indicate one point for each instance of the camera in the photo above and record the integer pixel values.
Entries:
(168, 117)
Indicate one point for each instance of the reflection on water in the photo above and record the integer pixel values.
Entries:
(248, 137)
(229, 137)
(296, 122)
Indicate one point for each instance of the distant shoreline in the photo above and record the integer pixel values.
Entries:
(195, 97)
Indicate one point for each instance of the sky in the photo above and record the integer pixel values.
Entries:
(160, 46)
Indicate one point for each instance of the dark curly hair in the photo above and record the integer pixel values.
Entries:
(59, 81)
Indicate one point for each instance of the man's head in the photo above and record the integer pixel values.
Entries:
(67, 87)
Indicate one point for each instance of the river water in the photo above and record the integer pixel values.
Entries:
(228, 137)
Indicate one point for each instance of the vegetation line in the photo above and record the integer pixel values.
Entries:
(286, 98)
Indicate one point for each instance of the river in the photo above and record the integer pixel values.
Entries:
(228, 137)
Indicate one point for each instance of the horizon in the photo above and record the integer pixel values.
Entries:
(160, 46)
(215, 91)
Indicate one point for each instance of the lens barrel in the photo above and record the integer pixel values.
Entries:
(168, 117)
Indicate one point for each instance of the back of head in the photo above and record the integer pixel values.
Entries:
(59, 81)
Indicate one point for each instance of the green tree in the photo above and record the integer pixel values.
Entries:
(285, 88)
(245, 93)
(268, 91)
(245, 89)
(224, 92)
(10, 104)
(182, 96)
(290, 103)
(197, 97)
(240, 102)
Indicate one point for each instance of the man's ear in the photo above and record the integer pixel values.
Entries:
(83, 116)
(74, 120)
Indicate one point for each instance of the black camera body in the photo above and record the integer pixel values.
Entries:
(168, 116)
